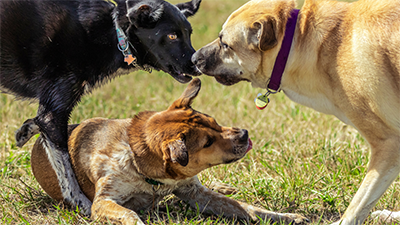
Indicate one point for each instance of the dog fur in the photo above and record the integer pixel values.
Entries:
(55, 51)
(112, 159)
(344, 60)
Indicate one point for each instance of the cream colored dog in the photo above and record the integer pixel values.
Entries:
(344, 60)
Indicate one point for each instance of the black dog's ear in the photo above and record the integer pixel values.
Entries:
(143, 14)
(178, 152)
(189, 8)
(188, 95)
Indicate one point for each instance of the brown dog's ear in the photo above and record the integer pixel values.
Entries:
(263, 33)
(188, 95)
(178, 152)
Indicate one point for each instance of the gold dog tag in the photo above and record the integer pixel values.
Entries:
(261, 101)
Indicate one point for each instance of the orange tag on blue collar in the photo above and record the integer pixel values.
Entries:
(261, 101)
(129, 59)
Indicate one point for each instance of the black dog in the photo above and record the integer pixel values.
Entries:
(55, 51)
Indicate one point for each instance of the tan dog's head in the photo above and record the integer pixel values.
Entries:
(190, 141)
(248, 43)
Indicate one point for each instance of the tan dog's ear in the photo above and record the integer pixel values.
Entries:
(188, 95)
(177, 152)
(263, 33)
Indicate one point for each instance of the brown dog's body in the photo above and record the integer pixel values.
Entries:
(129, 165)
(344, 60)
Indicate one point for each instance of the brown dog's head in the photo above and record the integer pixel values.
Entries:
(248, 43)
(190, 141)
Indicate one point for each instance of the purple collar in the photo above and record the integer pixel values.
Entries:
(281, 59)
(280, 62)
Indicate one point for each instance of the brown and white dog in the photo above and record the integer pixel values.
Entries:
(127, 165)
(344, 60)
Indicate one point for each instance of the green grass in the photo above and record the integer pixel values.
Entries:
(302, 162)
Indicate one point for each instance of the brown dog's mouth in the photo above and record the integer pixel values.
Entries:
(228, 80)
(249, 145)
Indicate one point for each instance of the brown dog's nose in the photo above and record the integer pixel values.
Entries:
(245, 136)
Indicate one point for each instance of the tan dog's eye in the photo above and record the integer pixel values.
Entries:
(172, 36)
(209, 143)
(224, 45)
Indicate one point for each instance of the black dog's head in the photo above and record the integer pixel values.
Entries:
(160, 33)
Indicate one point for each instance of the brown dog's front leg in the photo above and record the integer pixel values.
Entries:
(106, 208)
(211, 202)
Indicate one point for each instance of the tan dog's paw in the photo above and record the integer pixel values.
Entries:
(386, 216)
(223, 188)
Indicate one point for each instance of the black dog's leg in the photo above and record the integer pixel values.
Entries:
(52, 119)
(25, 132)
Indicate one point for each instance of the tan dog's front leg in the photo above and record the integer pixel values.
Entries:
(384, 167)
(211, 202)
(106, 208)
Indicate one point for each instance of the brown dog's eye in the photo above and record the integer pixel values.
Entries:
(209, 143)
(172, 36)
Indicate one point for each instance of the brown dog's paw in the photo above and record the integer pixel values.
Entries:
(299, 219)
(25, 132)
(292, 218)
(223, 188)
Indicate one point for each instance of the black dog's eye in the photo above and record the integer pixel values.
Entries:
(209, 143)
(172, 36)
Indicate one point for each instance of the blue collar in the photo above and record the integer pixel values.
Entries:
(123, 43)
(123, 46)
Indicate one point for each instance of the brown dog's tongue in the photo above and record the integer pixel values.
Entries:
(250, 146)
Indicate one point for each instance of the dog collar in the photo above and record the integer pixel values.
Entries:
(152, 182)
(123, 46)
(123, 43)
(280, 62)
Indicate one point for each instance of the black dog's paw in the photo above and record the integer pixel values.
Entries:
(25, 132)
